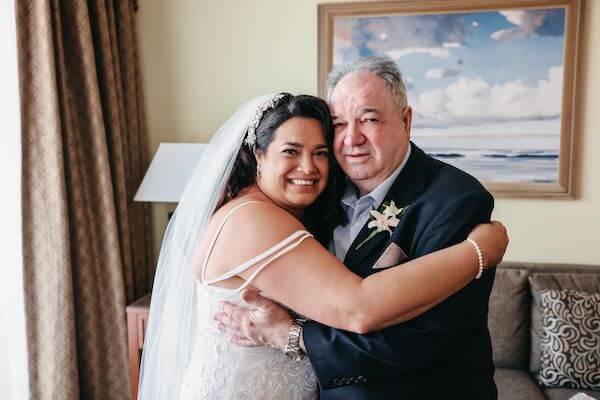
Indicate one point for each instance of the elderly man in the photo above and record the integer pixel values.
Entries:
(445, 352)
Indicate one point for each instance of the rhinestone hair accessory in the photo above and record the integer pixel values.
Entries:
(271, 102)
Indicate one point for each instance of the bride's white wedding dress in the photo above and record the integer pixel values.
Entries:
(219, 370)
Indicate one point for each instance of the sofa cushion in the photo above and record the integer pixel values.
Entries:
(567, 394)
(508, 318)
(570, 340)
(513, 384)
(587, 282)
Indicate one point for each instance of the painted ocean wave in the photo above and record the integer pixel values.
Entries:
(502, 165)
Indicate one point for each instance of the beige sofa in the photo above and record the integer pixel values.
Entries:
(514, 322)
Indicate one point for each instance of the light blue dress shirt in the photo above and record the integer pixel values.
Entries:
(357, 210)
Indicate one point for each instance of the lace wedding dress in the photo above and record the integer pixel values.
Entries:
(219, 370)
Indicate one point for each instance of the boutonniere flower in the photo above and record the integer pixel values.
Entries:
(383, 221)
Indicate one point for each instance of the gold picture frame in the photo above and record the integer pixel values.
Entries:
(533, 29)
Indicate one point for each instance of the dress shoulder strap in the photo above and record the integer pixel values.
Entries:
(267, 256)
(270, 254)
(219, 229)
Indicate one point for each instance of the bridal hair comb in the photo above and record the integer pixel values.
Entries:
(271, 102)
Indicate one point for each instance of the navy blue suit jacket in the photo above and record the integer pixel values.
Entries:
(444, 353)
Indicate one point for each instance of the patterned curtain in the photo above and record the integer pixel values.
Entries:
(87, 246)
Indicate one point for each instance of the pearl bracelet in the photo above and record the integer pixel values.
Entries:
(479, 257)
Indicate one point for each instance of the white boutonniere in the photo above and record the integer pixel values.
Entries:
(383, 221)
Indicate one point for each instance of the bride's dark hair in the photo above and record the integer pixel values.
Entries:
(321, 217)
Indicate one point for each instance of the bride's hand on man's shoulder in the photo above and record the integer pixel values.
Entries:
(493, 240)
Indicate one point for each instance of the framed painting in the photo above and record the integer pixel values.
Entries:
(491, 82)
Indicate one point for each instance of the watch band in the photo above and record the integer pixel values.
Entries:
(292, 348)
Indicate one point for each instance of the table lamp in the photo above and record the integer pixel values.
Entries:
(169, 171)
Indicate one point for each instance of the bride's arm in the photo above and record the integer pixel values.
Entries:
(314, 283)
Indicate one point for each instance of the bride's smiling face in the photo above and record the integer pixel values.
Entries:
(295, 166)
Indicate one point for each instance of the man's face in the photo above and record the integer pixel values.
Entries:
(371, 134)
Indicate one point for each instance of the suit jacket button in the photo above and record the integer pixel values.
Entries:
(337, 382)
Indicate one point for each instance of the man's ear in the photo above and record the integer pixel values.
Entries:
(407, 115)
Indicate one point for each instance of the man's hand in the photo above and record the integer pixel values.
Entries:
(261, 323)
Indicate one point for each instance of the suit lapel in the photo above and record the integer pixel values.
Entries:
(409, 183)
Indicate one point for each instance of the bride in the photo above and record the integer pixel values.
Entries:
(259, 210)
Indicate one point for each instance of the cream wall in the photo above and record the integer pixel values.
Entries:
(201, 59)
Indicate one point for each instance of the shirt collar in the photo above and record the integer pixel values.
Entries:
(350, 197)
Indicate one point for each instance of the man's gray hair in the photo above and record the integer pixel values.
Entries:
(384, 67)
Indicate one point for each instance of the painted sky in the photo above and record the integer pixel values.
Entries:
(469, 70)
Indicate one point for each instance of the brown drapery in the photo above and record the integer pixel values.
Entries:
(87, 246)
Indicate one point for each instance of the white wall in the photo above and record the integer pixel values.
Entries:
(202, 59)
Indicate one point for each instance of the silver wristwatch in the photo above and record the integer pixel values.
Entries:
(292, 348)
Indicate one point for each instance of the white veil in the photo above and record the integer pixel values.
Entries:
(168, 342)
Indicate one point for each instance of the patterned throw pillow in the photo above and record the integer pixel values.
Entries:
(570, 341)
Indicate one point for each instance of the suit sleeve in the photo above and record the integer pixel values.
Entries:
(340, 357)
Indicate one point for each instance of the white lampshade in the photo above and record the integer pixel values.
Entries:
(169, 171)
